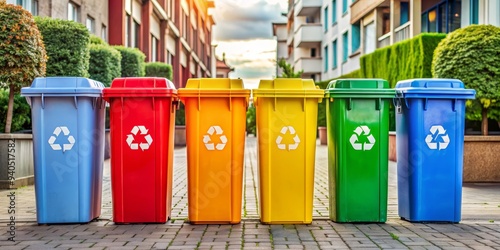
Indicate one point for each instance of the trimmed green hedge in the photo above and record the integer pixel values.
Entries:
(159, 69)
(408, 59)
(104, 63)
(67, 46)
(97, 40)
(132, 61)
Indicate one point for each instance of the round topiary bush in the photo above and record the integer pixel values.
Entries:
(132, 61)
(159, 69)
(471, 54)
(22, 54)
(104, 63)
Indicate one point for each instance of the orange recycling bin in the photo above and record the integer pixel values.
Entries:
(215, 138)
(142, 115)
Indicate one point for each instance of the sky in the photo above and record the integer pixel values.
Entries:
(243, 32)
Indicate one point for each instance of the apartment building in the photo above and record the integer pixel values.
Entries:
(280, 32)
(351, 29)
(178, 32)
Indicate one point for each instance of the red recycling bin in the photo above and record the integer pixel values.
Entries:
(142, 115)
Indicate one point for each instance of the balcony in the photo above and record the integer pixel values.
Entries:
(309, 65)
(308, 35)
(307, 7)
(402, 32)
(360, 8)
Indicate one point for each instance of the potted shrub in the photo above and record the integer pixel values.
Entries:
(23, 58)
(471, 55)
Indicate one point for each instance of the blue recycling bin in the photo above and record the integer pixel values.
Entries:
(430, 117)
(68, 148)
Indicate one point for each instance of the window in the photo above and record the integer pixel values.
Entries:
(345, 47)
(344, 6)
(474, 11)
(444, 17)
(313, 52)
(356, 37)
(128, 31)
(171, 9)
(73, 10)
(334, 54)
(154, 49)
(104, 33)
(325, 59)
(325, 17)
(90, 23)
(369, 38)
(29, 5)
(334, 11)
(184, 25)
(404, 13)
(170, 58)
(137, 34)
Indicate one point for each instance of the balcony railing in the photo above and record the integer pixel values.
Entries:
(308, 7)
(402, 32)
(310, 65)
(308, 34)
(384, 40)
(362, 7)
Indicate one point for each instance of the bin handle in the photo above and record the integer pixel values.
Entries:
(349, 104)
(425, 103)
(76, 102)
(43, 101)
(453, 105)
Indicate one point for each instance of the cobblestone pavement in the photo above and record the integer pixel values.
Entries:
(479, 228)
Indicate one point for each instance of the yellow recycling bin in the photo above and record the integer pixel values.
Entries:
(215, 139)
(286, 111)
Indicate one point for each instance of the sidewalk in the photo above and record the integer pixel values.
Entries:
(479, 228)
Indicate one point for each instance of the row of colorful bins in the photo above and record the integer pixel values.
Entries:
(68, 148)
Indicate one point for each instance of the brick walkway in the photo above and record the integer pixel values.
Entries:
(479, 228)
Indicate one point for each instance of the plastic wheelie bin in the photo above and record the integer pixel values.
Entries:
(286, 112)
(430, 117)
(358, 134)
(215, 138)
(68, 148)
(142, 115)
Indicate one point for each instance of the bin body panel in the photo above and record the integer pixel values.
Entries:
(358, 148)
(430, 121)
(286, 112)
(141, 149)
(358, 177)
(286, 175)
(430, 181)
(68, 151)
(215, 174)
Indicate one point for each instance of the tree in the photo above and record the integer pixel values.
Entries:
(22, 51)
(471, 55)
(288, 70)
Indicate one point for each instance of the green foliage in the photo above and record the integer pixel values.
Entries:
(132, 61)
(471, 54)
(22, 119)
(159, 69)
(251, 120)
(322, 105)
(67, 45)
(104, 63)
(288, 70)
(22, 51)
(97, 40)
(407, 59)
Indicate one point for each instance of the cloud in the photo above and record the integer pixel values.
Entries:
(246, 19)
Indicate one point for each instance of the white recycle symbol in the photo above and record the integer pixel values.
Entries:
(362, 146)
(208, 142)
(296, 139)
(143, 145)
(431, 139)
(65, 146)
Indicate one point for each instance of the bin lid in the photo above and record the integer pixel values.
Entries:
(140, 87)
(288, 88)
(214, 87)
(63, 86)
(434, 88)
(359, 88)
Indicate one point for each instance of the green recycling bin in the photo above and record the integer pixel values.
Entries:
(358, 133)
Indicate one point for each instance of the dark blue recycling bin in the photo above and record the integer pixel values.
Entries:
(430, 117)
(68, 148)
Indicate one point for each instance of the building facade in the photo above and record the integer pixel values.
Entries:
(350, 29)
(178, 32)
